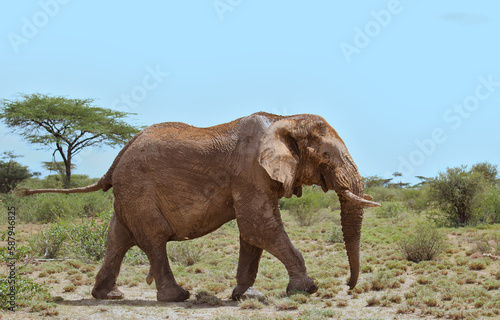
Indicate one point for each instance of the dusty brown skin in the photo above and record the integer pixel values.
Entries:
(174, 182)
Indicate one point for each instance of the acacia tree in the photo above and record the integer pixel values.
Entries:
(65, 125)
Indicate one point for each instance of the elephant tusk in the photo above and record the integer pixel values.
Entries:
(361, 201)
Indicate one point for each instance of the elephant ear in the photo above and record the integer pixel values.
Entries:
(278, 155)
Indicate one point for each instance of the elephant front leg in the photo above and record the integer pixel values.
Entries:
(261, 226)
(248, 265)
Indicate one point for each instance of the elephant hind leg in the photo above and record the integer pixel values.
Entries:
(119, 242)
(151, 233)
(160, 272)
(248, 266)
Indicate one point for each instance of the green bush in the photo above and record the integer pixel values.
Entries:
(20, 253)
(90, 237)
(417, 199)
(423, 243)
(185, 253)
(306, 209)
(305, 213)
(391, 209)
(455, 191)
(336, 235)
(28, 292)
(48, 243)
(439, 218)
(487, 209)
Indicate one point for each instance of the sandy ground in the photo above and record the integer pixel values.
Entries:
(140, 303)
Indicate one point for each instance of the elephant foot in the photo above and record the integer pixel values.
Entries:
(176, 294)
(107, 294)
(303, 284)
(245, 292)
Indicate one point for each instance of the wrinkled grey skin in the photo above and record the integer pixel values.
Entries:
(174, 182)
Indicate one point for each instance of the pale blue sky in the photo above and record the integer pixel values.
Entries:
(409, 85)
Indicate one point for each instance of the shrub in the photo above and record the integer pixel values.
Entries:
(455, 192)
(305, 214)
(423, 243)
(186, 253)
(391, 209)
(417, 199)
(48, 243)
(306, 209)
(46, 208)
(336, 235)
(488, 206)
(90, 237)
(26, 290)
(383, 280)
(20, 253)
(482, 244)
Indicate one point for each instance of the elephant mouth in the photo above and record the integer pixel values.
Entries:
(323, 183)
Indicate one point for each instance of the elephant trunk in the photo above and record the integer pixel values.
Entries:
(350, 188)
(351, 219)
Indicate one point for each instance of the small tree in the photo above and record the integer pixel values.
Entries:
(65, 125)
(455, 191)
(12, 172)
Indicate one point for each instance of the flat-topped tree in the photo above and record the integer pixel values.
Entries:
(66, 125)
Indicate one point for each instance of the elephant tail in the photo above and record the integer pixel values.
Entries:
(91, 188)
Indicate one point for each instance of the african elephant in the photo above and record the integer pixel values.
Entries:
(174, 182)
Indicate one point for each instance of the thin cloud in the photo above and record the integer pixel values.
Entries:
(464, 18)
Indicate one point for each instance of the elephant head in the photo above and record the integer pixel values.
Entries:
(305, 149)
